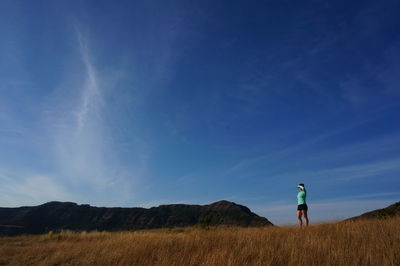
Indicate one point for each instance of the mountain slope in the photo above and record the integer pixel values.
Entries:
(68, 215)
(390, 211)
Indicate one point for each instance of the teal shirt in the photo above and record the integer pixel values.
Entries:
(301, 197)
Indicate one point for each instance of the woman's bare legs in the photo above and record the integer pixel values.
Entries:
(305, 216)
(299, 220)
(300, 215)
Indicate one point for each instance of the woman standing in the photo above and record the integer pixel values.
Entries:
(302, 207)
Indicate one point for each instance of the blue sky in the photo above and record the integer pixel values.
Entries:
(142, 103)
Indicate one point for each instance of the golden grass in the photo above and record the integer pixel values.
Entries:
(372, 242)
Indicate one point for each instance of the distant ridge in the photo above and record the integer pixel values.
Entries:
(53, 216)
(390, 211)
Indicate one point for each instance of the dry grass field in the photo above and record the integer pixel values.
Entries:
(371, 242)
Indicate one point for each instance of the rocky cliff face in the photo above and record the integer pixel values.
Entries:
(67, 215)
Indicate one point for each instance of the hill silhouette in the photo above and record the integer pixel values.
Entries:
(54, 216)
(390, 211)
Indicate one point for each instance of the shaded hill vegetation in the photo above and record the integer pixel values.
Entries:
(55, 216)
(390, 211)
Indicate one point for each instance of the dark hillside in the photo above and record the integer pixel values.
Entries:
(53, 216)
(390, 211)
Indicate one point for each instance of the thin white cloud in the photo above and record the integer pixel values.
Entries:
(364, 170)
(91, 99)
(382, 145)
(80, 145)
(290, 150)
(346, 173)
(84, 147)
(87, 160)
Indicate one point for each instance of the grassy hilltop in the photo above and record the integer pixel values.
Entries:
(363, 242)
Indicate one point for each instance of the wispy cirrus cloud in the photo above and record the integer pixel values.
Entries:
(91, 97)
(84, 146)
(365, 170)
(286, 151)
(389, 169)
(79, 143)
